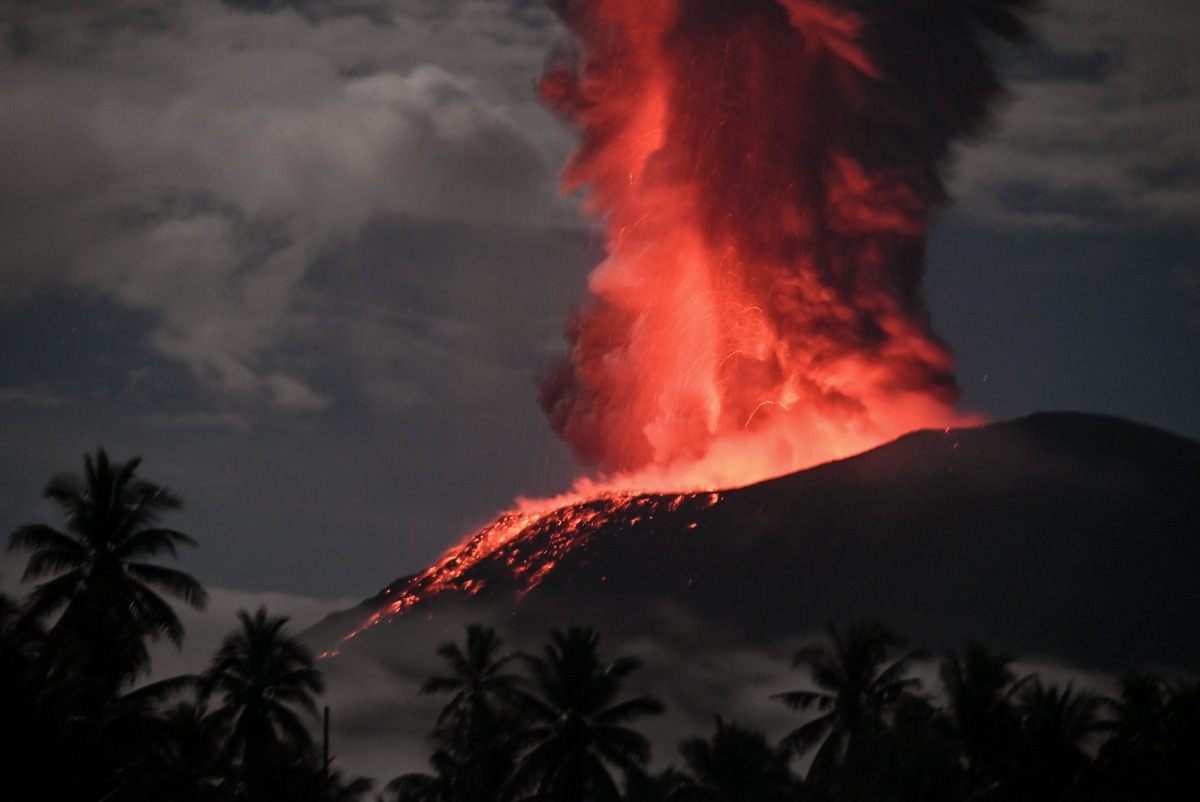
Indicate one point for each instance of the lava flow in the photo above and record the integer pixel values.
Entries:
(765, 172)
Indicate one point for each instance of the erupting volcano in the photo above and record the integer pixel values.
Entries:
(765, 172)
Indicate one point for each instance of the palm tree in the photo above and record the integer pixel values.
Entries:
(265, 679)
(857, 688)
(980, 714)
(1181, 739)
(185, 762)
(576, 732)
(440, 786)
(477, 679)
(474, 751)
(35, 724)
(108, 594)
(1056, 726)
(735, 765)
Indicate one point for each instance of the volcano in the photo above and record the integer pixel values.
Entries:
(1060, 534)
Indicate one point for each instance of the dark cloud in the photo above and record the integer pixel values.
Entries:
(1098, 130)
(195, 171)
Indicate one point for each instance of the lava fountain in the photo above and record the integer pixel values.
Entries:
(765, 172)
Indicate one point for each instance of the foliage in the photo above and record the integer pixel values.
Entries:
(475, 754)
(108, 593)
(73, 729)
(552, 726)
(574, 730)
(734, 765)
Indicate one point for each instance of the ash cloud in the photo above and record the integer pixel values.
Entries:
(767, 172)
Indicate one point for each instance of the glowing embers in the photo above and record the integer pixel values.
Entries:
(525, 546)
(764, 171)
(759, 308)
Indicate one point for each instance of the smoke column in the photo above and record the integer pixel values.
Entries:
(765, 171)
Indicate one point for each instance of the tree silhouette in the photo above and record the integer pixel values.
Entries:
(574, 730)
(734, 765)
(37, 725)
(856, 689)
(475, 756)
(266, 680)
(186, 761)
(440, 786)
(482, 689)
(1154, 744)
(980, 713)
(108, 593)
(1056, 727)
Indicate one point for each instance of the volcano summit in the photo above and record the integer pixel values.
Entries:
(1061, 534)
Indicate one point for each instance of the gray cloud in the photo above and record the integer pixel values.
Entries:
(196, 170)
(35, 395)
(1100, 131)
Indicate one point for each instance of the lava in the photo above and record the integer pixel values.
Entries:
(765, 172)
(528, 542)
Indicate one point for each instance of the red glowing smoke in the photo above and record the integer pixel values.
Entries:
(765, 170)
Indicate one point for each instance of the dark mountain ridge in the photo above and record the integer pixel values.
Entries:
(1061, 534)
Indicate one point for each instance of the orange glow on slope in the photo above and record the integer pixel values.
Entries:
(528, 542)
(764, 172)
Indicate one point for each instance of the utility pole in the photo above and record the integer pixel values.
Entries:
(326, 767)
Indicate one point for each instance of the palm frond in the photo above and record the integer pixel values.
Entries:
(154, 617)
(176, 583)
(38, 537)
(804, 737)
(65, 490)
(441, 685)
(803, 700)
(164, 689)
(49, 596)
(630, 709)
(151, 542)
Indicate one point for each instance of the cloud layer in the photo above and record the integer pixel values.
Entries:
(196, 168)
(1100, 130)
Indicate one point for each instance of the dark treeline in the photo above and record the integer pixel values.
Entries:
(74, 724)
(556, 725)
(561, 730)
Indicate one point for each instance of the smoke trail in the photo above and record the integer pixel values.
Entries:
(766, 171)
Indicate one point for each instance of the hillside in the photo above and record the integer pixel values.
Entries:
(1062, 534)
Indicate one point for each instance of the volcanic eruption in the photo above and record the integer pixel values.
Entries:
(765, 172)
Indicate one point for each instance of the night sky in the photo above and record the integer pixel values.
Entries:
(308, 259)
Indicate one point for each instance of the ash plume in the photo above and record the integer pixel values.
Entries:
(766, 171)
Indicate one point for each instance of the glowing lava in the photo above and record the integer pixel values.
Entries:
(528, 542)
(765, 171)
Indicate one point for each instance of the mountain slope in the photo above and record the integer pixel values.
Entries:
(1060, 534)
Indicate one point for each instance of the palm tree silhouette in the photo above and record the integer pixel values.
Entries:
(266, 679)
(474, 757)
(477, 679)
(440, 786)
(735, 765)
(857, 688)
(1056, 727)
(980, 714)
(108, 593)
(576, 731)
